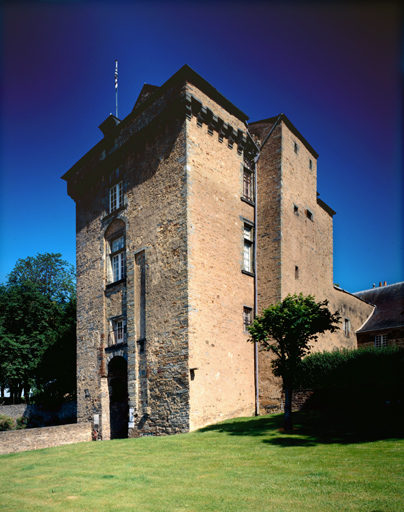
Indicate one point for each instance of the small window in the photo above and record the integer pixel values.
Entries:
(296, 272)
(117, 334)
(296, 148)
(115, 175)
(310, 164)
(248, 248)
(347, 327)
(118, 259)
(295, 209)
(247, 318)
(115, 197)
(248, 184)
(381, 340)
(309, 214)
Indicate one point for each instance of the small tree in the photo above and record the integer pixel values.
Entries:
(288, 328)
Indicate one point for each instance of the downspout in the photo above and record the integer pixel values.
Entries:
(256, 158)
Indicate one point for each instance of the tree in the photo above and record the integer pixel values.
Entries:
(288, 328)
(37, 312)
(53, 277)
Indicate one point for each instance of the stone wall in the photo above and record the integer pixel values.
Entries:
(395, 337)
(221, 360)
(150, 152)
(65, 413)
(295, 241)
(46, 437)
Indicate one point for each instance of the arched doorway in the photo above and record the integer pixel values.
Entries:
(118, 397)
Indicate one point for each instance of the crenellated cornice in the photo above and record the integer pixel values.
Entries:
(204, 115)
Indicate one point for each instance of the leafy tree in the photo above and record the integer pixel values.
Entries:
(53, 277)
(37, 312)
(288, 328)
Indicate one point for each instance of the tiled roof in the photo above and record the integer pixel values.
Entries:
(389, 311)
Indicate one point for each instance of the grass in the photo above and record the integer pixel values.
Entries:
(247, 464)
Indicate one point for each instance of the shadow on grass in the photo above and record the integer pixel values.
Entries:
(314, 427)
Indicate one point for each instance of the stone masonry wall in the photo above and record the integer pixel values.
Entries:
(153, 171)
(297, 244)
(221, 360)
(395, 337)
(269, 238)
(65, 412)
(156, 215)
(46, 437)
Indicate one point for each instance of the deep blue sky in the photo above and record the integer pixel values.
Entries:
(332, 68)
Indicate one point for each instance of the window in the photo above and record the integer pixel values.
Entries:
(118, 262)
(347, 327)
(309, 214)
(310, 164)
(381, 340)
(247, 317)
(115, 251)
(248, 248)
(115, 197)
(248, 184)
(296, 272)
(295, 209)
(296, 148)
(118, 332)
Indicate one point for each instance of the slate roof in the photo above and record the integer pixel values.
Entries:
(389, 311)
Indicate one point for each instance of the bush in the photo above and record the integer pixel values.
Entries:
(6, 422)
(350, 378)
(21, 423)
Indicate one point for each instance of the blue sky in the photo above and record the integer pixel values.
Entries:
(332, 68)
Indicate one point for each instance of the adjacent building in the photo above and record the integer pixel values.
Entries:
(189, 220)
(385, 327)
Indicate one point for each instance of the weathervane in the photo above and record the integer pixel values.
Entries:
(116, 88)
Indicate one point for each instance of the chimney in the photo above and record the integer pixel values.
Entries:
(385, 283)
(380, 284)
(374, 285)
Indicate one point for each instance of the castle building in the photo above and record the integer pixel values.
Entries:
(189, 221)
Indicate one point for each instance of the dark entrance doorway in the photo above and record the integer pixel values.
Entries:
(118, 397)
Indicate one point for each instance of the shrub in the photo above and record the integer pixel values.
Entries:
(349, 378)
(21, 423)
(6, 422)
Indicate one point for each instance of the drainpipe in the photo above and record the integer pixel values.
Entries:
(257, 404)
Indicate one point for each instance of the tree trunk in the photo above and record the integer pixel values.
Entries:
(288, 407)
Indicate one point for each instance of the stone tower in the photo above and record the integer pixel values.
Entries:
(186, 222)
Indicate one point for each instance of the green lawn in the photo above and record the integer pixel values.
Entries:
(248, 464)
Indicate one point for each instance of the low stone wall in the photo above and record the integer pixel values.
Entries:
(34, 438)
(299, 399)
(65, 413)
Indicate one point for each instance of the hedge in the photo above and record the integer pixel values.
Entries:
(366, 375)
